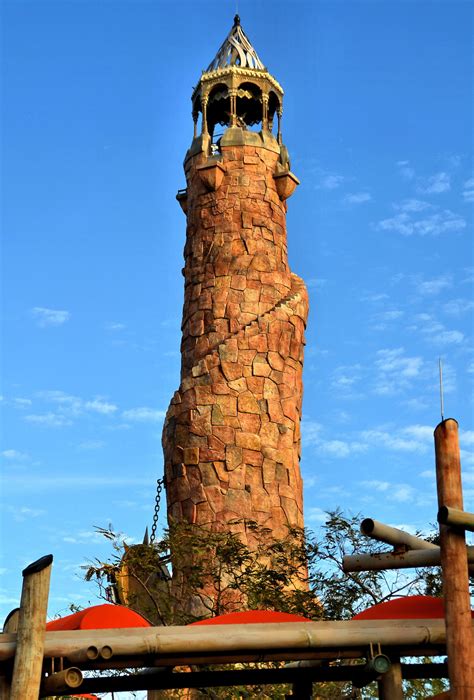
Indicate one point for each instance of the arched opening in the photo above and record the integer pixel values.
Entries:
(249, 106)
(218, 108)
(273, 107)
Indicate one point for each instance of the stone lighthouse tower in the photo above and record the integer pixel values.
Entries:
(231, 438)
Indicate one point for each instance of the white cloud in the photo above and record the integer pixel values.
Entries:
(15, 455)
(468, 192)
(91, 445)
(144, 414)
(50, 317)
(435, 184)
(330, 181)
(413, 205)
(448, 338)
(315, 515)
(395, 370)
(22, 403)
(358, 198)
(100, 406)
(22, 513)
(405, 169)
(50, 420)
(402, 493)
(374, 298)
(435, 285)
(401, 442)
(444, 221)
(389, 315)
(436, 333)
(115, 326)
(458, 307)
(44, 482)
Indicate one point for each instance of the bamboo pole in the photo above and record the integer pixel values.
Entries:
(10, 625)
(281, 637)
(61, 682)
(390, 684)
(456, 518)
(459, 639)
(26, 678)
(399, 560)
(392, 535)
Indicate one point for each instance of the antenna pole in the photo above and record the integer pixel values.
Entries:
(441, 395)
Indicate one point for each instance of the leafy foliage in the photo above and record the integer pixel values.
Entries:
(216, 573)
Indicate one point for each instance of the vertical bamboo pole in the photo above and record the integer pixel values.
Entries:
(11, 626)
(459, 640)
(28, 663)
(390, 684)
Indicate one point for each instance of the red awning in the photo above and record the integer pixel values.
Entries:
(99, 617)
(413, 607)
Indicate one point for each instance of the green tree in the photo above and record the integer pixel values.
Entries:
(300, 574)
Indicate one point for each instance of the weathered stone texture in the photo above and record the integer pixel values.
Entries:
(232, 433)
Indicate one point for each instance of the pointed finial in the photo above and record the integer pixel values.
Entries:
(236, 21)
(145, 537)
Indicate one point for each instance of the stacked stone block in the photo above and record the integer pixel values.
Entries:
(232, 432)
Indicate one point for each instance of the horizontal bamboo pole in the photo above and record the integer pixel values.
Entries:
(90, 653)
(197, 679)
(208, 640)
(397, 560)
(392, 535)
(62, 681)
(456, 518)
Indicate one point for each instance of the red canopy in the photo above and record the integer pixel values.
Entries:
(412, 607)
(250, 617)
(99, 617)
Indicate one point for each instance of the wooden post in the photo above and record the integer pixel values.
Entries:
(390, 683)
(26, 679)
(9, 626)
(459, 640)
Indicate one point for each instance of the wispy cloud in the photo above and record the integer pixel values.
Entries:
(357, 198)
(434, 184)
(458, 307)
(44, 482)
(91, 445)
(100, 406)
(330, 181)
(405, 169)
(435, 224)
(15, 455)
(435, 285)
(395, 371)
(413, 205)
(50, 317)
(115, 326)
(144, 414)
(436, 332)
(402, 493)
(50, 420)
(401, 441)
(468, 191)
(69, 407)
(22, 513)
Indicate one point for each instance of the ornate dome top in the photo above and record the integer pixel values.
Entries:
(236, 51)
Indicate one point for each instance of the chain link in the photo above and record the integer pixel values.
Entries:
(159, 488)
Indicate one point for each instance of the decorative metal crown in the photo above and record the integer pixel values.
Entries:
(236, 51)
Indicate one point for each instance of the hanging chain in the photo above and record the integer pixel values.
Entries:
(159, 488)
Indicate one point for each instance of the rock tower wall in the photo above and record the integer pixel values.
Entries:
(231, 438)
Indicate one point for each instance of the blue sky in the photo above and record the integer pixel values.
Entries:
(96, 122)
